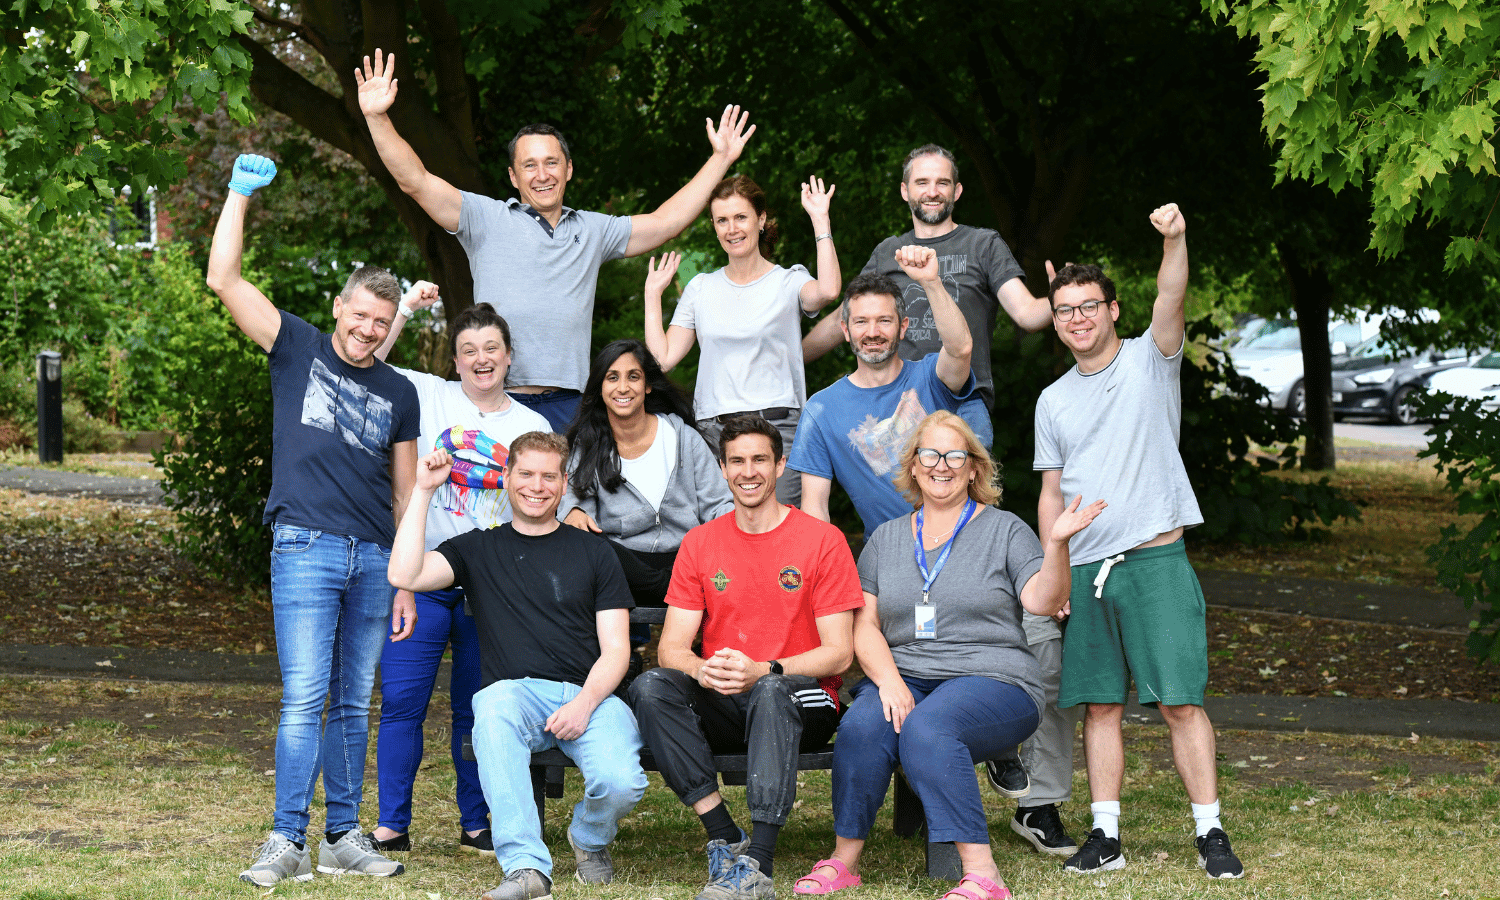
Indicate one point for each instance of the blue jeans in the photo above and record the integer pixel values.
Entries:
(332, 605)
(509, 720)
(408, 670)
(557, 407)
(956, 723)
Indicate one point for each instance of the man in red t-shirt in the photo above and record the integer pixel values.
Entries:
(774, 591)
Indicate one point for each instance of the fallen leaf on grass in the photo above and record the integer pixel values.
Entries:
(1161, 856)
(1413, 739)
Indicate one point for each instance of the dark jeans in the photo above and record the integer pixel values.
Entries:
(685, 725)
(956, 723)
(557, 407)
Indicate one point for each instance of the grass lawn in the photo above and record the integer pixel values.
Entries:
(105, 808)
(1403, 504)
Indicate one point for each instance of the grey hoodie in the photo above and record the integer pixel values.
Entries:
(696, 493)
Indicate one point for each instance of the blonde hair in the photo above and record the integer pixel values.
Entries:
(984, 489)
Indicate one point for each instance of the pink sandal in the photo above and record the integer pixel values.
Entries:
(992, 891)
(825, 885)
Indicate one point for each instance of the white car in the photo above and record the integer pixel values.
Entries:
(1275, 358)
(1480, 381)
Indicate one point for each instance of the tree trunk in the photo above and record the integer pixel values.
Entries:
(1312, 296)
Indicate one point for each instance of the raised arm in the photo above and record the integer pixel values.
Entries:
(817, 294)
(420, 296)
(251, 310)
(1046, 592)
(823, 337)
(410, 569)
(649, 231)
(377, 91)
(1028, 312)
(1169, 315)
(920, 265)
(669, 345)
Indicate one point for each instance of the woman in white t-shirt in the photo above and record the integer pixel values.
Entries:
(746, 316)
(475, 420)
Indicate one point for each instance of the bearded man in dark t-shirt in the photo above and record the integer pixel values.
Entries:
(552, 608)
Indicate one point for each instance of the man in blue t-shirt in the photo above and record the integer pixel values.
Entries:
(343, 461)
(855, 429)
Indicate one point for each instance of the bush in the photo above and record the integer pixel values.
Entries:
(1466, 446)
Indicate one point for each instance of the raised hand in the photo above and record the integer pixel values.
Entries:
(420, 295)
(658, 277)
(815, 199)
(433, 469)
(377, 85)
(730, 137)
(251, 173)
(1169, 221)
(918, 262)
(1073, 520)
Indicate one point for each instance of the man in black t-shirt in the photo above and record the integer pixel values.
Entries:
(553, 613)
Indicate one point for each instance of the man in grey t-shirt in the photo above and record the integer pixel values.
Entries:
(977, 268)
(534, 259)
(1108, 429)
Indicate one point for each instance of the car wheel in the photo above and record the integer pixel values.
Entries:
(1403, 410)
(1296, 401)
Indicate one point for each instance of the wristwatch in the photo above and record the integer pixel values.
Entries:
(776, 667)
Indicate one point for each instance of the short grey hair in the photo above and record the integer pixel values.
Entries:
(928, 150)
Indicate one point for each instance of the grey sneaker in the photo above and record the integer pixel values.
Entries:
(355, 854)
(742, 880)
(277, 859)
(721, 855)
(522, 884)
(594, 866)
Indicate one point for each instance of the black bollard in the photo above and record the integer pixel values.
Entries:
(49, 424)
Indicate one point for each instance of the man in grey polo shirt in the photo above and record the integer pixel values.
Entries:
(535, 247)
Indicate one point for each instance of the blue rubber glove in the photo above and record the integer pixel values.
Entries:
(251, 173)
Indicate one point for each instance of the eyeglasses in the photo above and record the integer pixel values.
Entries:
(929, 457)
(1089, 308)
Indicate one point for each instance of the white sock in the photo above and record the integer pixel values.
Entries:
(1107, 817)
(1206, 817)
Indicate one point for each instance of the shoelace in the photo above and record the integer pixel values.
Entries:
(1216, 843)
(736, 874)
(263, 852)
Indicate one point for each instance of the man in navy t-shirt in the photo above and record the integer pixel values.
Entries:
(343, 462)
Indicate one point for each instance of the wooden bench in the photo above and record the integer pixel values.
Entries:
(548, 766)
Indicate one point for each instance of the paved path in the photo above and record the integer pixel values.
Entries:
(78, 484)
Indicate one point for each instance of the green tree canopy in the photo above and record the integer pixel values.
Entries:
(1395, 97)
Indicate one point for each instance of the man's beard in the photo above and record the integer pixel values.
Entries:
(932, 218)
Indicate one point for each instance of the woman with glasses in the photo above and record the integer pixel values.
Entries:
(746, 316)
(949, 679)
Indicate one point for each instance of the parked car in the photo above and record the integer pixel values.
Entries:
(1275, 357)
(1372, 379)
(1480, 381)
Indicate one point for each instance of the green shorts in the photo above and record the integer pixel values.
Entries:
(1149, 625)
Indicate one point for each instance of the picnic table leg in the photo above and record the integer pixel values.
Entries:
(943, 863)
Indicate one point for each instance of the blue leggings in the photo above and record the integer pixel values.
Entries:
(408, 670)
(956, 723)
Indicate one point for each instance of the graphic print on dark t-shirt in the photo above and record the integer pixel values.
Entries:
(922, 332)
(348, 409)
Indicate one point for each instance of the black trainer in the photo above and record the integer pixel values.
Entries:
(1216, 857)
(1044, 829)
(1098, 854)
(401, 843)
(1008, 777)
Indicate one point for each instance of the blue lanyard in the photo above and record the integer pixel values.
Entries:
(937, 567)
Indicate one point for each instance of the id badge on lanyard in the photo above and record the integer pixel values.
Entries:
(926, 613)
